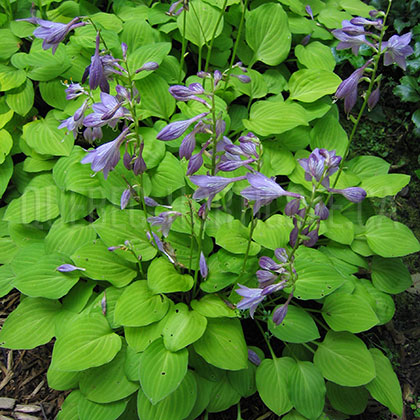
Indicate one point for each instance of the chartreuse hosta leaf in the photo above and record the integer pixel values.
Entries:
(329, 134)
(201, 24)
(344, 359)
(348, 400)
(70, 408)
(183, 327)
(384, 185)
(213, 306)
(316, 276)
(297, 327)
(108, 300)
(37, 204)
(381, 302)
(10, 77)
(162, 277)
(74, 206)
(61, 380)
(107, 383)
(267, 33)
(69, 174)
(223, 344)
(176, 406)
(139, 338)
(139, 306)
(277, 160)
(39, 277)
(45, 138)
(307, 389)
(21, 99)
(223, 395)
(68, 237)
(368, 166)
(264, 121)
(161, 370)
(272, 380)
(6, 278)
(315, 56)
(89, 410)
(243, 381)
(87, 342)
(167, 177)
(348, 313)
(385, 387)
(31, 324)
(6, 171)
(311, 84)
(6, 143)
(233, 237)
(379, 230)
(274, 232)
(204, 390)
(116, 226)
(390, 275)
(100, 264)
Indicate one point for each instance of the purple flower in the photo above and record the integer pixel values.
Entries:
(195, 163)
(209, 186)
(52, 32)
(74, 122)
(265, 278)
(320, 164)
(108, 111)
(242, 78)
(267, 263)
(173, 9)
(67, 268)
(106, 157)
(353, 194)
(100, 69)
(253, 357)
(149, 66)
(251, 298)
(125, 198)
(92, 133)
(153, 203)
(155, 240)
(279, 314)
(164, 220)
(350, 41)
(74, 90)
(174, 130)
(348, 88)
(397, 49)
(308, 10)
(263, 190)
(292, 207)
(374, 98)
(183, 93)
(204, 271)
(321, 211)
(366, 22)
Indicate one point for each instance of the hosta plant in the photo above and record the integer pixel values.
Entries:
(180, 213)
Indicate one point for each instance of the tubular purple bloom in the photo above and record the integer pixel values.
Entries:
(267, 263)
(374, 98)
(52, 32)
(106, 157)
(209, 186)
(306, 39)
(149, 66)
(253, 357)
(263, 188)
(67, 268)
(348, 88)
(204, 271)
(196, 88)
(350, 41)
(124, 49)
(293, 236)
(242, 78)
(265, 278)
(164, 220)
(187, 146)
(125, 198)
(96, 70)
(217, 77)
(74, 90)
(353, 194)
(251, 298)
(292, 207)
(279, 314)
(321, 210)
(174, 130)
(153, 203)
(92, 133)
(366, 22)
(155, 240)
(397, 49)
(312, 237)
(272, 288)
(74, 122)
(309, 11)
(195, 163)
(281, 255)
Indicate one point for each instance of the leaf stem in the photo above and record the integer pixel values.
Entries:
(267, 341)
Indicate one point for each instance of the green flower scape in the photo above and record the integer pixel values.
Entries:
(180, 213)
